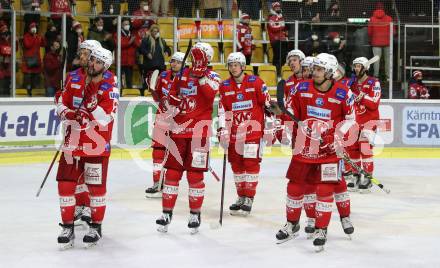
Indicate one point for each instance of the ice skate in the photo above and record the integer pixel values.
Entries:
(289, 231)
(235, 209)
(365, 185)
(93, 236)
(194, 222)
(247, 206)
(352, 181)
(310, 228)
(347, 226)
(320, 239)
(153, 191)
(67, 237)
(164, 221)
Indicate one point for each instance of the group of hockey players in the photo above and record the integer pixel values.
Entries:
(327, 116)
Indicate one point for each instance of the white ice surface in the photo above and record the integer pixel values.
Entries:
(397, 230)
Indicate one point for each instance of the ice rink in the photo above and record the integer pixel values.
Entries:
(396, 230)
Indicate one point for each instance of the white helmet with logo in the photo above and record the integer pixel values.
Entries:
(326, 61)
(308, 62)
(207, 48)
(362, 61)
(295, 52)
(90, 45)
(103, 55)
(178, 56)
(237, 57)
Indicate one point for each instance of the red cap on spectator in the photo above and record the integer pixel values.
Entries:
(276, 4)
(333, 35)
(76, 25)
(33, 24)
(245, 16)
(3, 27)
(417, 74)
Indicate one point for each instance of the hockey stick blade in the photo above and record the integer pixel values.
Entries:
(373, 60)
(153, 80)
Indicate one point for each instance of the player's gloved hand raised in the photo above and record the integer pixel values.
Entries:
(223, 137)
(199, 62)
(68, 114)
(82, 116)
(331, 143)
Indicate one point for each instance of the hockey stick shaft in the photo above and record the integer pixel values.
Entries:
(222, 199)
(214, 174)
(48, 170)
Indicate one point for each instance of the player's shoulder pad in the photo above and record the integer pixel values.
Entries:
(303, 86)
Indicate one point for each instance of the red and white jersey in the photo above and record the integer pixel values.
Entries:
(418, 90)
(91, 138)
(244, 38)
(195, 111)
(276, 27)
(240, 104)
(163, 86)
(368, 108)
(322, 112)
(291, 83)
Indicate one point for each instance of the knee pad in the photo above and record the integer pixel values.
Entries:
(194, 177)
(251, 166)
(173, 175)
(324, 191)
(158, 155)
(295, 189)
(66, 188)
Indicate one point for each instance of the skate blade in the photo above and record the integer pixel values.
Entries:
(65, 246)
(240, 213)
(353, 190)
(90, 245)
(310, 235)
(155, 195)
(162, 228)
(349, 237)
(365, 191)
(235, 212)
(287, 239)
(194, 231)
(319, 249)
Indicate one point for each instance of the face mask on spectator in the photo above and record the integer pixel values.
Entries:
(145, 8)
(157, 35)
(337, 40)
(111, 10)
(100, 28)
(314, 37)
(79, 31)
(126, 28)
(33, 30)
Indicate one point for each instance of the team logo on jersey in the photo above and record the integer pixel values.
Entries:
(303, 86)
(242, 105)
(188, 105)
(240, 96)
(319, 102)
(240, 117)
(76, 78)
(340, 94)
(252, 78)
(320, 113)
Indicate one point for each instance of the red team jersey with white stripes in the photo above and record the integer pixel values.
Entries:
(92, 138)
(368, 108)
(321, 112)
(244, 103)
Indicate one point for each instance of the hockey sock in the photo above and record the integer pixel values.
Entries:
(196, 192)
(342, 199)
(294, 203)
(310, 200)
(158, 156)
(97, 202)
(240, 182)
(171, 189)
(324, 194)
(368, 164)
(82, 195)
(66, 192)
(251, 177)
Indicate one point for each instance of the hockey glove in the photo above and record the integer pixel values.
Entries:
(199, 62)
(68, 114)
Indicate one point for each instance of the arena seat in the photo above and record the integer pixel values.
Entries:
(131, 92)
(166, 27)
(286, 72)
(269, 75)
(258, 54)
(256, 30)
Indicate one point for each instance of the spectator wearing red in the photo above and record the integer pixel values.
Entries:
(53, 69)
(379, 34)
(417, 89)
(5, 59)
(141, 26)
(244, 37)
(128, 52)
(31, 63)
(277, 33)
(61, 6)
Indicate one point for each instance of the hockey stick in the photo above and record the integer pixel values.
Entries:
(216, 177)
(373, 60)
(282, 107)
(48, 171)
(222, 199)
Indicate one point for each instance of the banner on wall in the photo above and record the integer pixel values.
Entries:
(421, 125)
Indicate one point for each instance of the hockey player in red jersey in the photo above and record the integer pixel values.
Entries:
(325, 108)
(367, 91)
(417, 89)
(161, 126)
(244, 37)
(306, 66)
(193, 95)
(87, 107)
(243, 102)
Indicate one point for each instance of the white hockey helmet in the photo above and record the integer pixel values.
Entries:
(307, 62)
(295, 52)
(236, 57)
(90, 45)
(339, 73)
(207, 48)
(178, 56)
(362, 61)
(103, 55)
(326, 61)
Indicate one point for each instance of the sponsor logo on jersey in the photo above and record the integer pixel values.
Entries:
(319, 102)
(76, 86)
(242, 105)
(306, 95)
(226, 82)
(107, 75)
(250, 89)
(163, 74)
(320, 113)
(304, 86)
(76, 78)
(228, 93)
(340, 94)
(240, 96)
(188, 91)
(252, 78)
(105, 86)
(114, 95)
(334, 101)
(76, 101)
